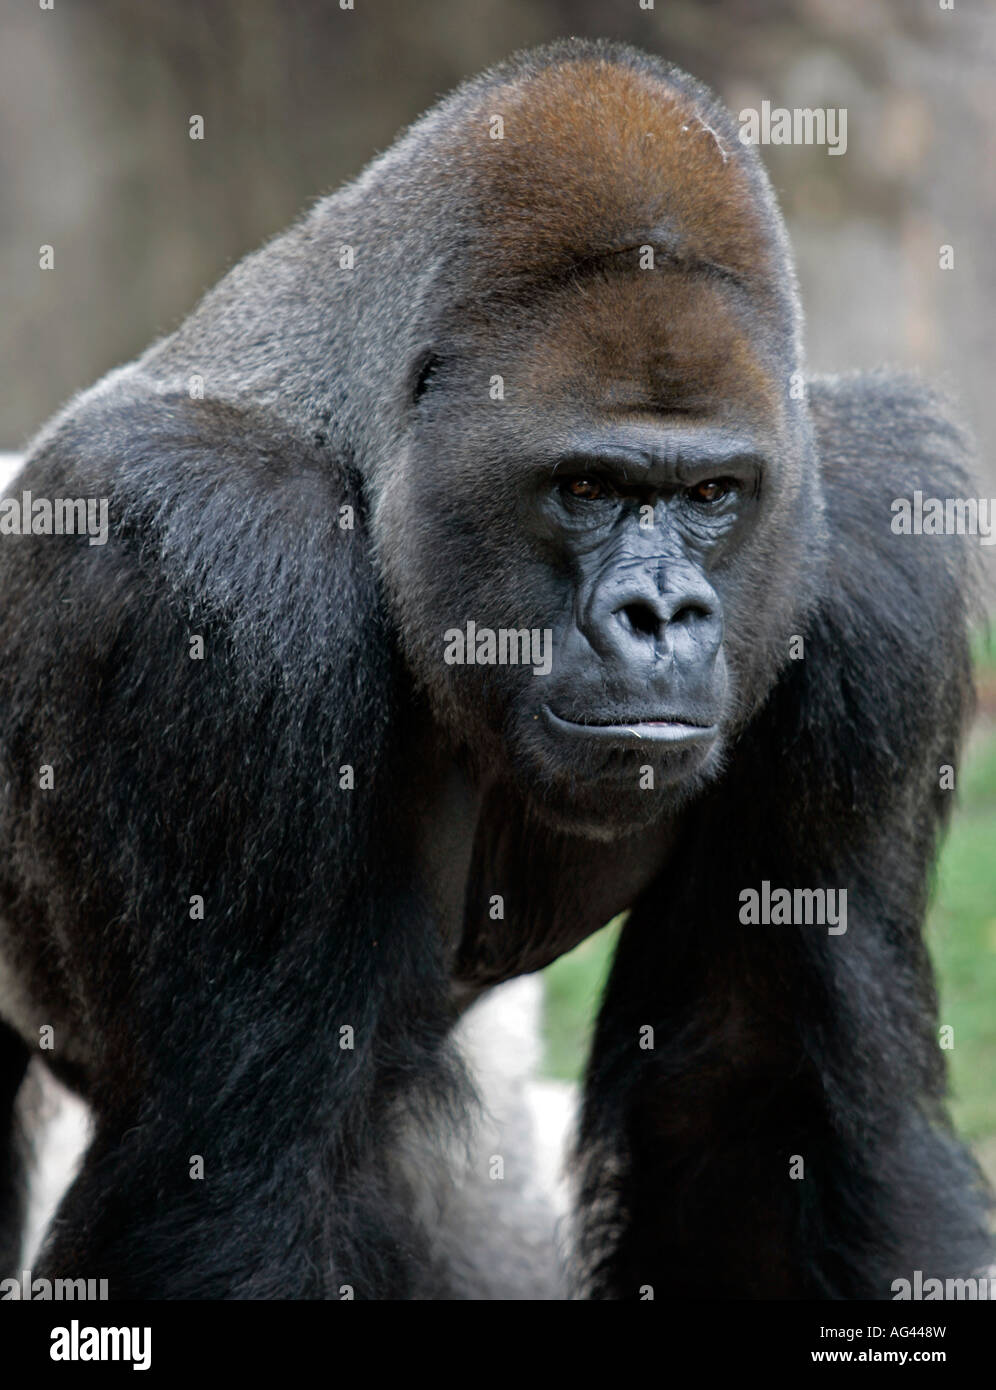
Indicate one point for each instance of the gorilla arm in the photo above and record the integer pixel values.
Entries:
(194, 1037)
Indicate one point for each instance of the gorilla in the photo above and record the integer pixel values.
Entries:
(481, 564)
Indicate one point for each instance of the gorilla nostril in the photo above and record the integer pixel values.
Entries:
(648, 620)
(641, 618)
(691, 612)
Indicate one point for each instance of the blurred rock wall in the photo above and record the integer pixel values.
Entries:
(96, 161)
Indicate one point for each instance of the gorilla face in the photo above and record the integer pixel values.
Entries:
(621, 502)
(637, 517)
(602, 445)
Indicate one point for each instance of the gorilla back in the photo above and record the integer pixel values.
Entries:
(481, 565)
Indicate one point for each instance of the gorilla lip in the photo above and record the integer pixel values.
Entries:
(670, 732)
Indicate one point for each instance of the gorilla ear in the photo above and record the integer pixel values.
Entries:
(425, 369)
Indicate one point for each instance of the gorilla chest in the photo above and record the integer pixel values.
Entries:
(530, 893)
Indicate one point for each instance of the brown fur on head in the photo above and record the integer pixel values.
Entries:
(601, 156)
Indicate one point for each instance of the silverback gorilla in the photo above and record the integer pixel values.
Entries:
(481, 564)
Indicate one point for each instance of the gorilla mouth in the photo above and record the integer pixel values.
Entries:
(671, 731)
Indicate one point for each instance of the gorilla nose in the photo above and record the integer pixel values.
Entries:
(636, 620)
(649, 617)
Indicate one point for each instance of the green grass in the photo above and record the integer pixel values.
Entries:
(961, 935)
(573, 985)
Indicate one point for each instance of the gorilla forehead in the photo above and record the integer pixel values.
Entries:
(600, 155)
(632, 342)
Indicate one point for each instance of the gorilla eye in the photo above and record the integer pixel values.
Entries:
(586, 488)
(709, 491)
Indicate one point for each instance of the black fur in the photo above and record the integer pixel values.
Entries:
(368, 907)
